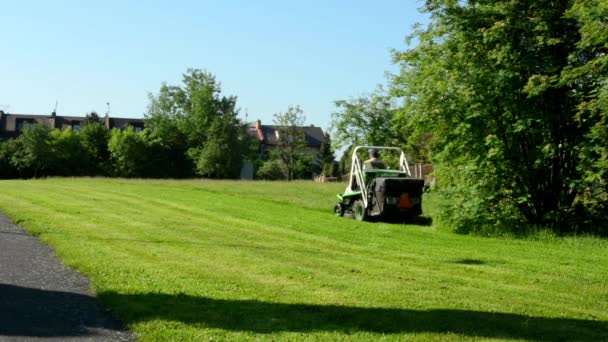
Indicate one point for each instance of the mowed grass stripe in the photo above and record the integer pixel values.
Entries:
(222, 216)
(131, 203)
(101, 198)
(465, 279)
(271, 231)
(278, 243)
(137, 204)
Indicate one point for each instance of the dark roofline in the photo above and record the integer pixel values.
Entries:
(134, 119)
(59, 122)
(314, 135)
(68, 116)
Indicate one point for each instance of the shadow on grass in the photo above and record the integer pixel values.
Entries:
(421, 221)
(27, 311)
(262, 317)
(469, 262)
(416, 221)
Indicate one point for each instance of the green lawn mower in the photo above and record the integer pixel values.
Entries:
(375, 191)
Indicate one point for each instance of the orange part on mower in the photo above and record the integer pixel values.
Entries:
(405, 202)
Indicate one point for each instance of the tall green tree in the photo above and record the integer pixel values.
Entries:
(486, 81)
(366, 120)
(94, 137)
(35, 156)
(290, 141)
(587, 74)
(128, 153)
(188, 117)
(326, 157)
(137, 154)
(162, 120)
(222, 154)
(70, 157)
(8, 149)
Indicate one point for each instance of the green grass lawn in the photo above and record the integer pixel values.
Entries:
(223, 260)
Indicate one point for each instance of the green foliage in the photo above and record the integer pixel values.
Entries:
(587, 74)
(272, 169)
(191, 130)
(276, 169)
(127, 152)
(221, 157)
(164, 125)
(40, 151)
(487, 83)
(366, 120)
(332, 169)
(198, 126)
(136, 154)
(304, 166)
(8, 148)
(70, 156)
(326, 156)
(346, 160)
(92, 118)
(35, 155)
(94, 138)
(290, 147)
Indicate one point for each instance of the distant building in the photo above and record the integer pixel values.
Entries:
(268, 136)
(11, 125)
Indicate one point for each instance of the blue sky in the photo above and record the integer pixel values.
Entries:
(271, 54)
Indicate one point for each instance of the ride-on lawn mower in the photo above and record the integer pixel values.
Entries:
(380, 192)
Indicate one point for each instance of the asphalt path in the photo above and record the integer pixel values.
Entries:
(42, 300)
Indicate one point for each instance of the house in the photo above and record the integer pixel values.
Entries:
(268, 135)
(11, 125)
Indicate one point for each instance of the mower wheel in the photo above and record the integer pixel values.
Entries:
(359, 209)
(338, 210)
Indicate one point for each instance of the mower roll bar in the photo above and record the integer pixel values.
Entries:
(356, 172)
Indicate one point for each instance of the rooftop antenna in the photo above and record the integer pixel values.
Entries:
(56, 104)
(246, 115)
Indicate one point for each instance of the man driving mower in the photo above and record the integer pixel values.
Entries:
(374, 161)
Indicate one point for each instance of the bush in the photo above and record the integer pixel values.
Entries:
(272, 170)
(94, 137)
(69, 156)
(128, 153)
(8, 149)
(34, 157)
(138, 154)
(221, 155)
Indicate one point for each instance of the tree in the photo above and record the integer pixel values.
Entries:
(188, 117)
(486, 80)
(8, 149)
(272, 169)
(35, 155)
(587, 74)
(327, 157)
(129, 153)
(92, 118)
(290, 142)
(221, 156)
(366, 120)
(70, 157)
(94, 137)
(163, 122)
